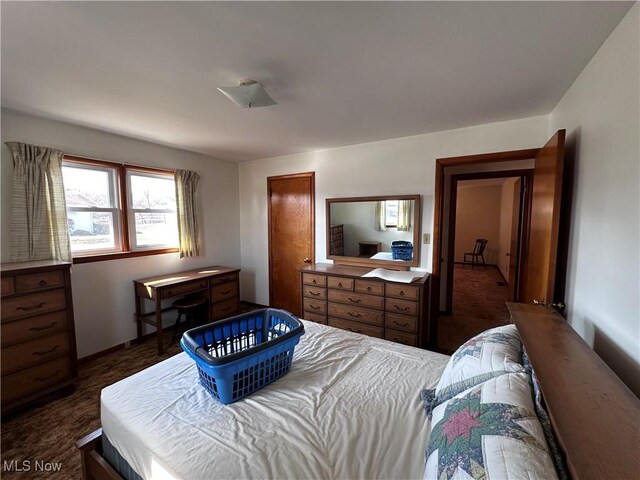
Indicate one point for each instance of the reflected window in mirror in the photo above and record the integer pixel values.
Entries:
(363, 230)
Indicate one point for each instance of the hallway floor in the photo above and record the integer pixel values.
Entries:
(478, 304)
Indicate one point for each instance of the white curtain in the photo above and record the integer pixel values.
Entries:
(186, 183)
(39, 211)
(380, 220)
(404, 215)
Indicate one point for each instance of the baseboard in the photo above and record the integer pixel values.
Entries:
(137, 341)
(506, 282)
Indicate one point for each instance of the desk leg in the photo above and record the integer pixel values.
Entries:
(159, 326)
(139, 315)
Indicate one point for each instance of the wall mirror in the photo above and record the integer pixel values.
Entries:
(379, 231)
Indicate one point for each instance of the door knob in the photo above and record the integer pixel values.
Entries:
(509, 254)
(307, 260)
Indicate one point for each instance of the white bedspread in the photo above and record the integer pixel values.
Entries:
(349, 408)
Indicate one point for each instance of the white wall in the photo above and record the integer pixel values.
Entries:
(478, 216)
(601, 114)
(506, 220)
(390, 167)
(102, 291)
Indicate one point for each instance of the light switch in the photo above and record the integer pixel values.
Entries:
(426, 238)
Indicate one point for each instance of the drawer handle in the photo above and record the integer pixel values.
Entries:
(43, 379)
(354, 331)
(315, 294)
(355, 315)
(340, 284)
(40, 329)
(401, 292)
(225, 309)
(42, 283)
(226, 292)
(398, 307)
(314, 307)
(357, 300)
(405, 324)
(32, 307)
(314, 281)
(368, 289)
(51, 350)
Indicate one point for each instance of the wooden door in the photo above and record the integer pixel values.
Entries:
(514, 257)
(291, 236)
(542, 251)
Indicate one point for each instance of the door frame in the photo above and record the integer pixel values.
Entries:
(526, 175)
(439, 203)
(312, 193)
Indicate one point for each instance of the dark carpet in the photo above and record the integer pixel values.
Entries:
(478, 304)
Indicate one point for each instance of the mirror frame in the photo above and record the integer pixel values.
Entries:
(389, 264)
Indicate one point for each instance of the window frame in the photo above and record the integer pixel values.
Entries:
(121, 197)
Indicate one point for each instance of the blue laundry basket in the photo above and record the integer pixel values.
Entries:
(239, 355)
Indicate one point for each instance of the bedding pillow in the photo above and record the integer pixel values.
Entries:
(489, 431)
(497, 349)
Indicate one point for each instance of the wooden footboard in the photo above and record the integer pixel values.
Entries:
(94, 466)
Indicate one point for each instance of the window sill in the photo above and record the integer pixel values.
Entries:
(116, 256)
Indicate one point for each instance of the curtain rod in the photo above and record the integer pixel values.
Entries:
(72, 156)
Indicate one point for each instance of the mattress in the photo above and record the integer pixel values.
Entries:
(349, 408)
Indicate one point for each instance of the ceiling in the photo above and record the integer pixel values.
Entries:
(342, 72)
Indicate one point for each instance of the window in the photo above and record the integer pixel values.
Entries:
(116, 211)
(391, 213)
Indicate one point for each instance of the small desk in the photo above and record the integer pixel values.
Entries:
(220, 285)
(369, 248)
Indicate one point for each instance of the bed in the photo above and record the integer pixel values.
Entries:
(351, 408)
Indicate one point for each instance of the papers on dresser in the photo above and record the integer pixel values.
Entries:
(395, 276)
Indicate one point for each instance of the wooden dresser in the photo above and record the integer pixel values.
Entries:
(338, 296)
(38, 336)
(336, 240)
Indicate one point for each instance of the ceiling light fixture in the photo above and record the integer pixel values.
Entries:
(249, 94)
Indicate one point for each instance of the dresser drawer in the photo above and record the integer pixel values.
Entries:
(358, 314)
(314, 306)
(406, 292)
(34, 352)
(29, 328)
(340, 283)
(401, 306)
(401, 322)
(373, 288)
(33, 304)
(183, 289)
(38, 281)
(229, 277)
(313, 279)
(356, 327)
(314, 317)
(310, 291)
(224, 291)
(34, 379)
(401, 337)
(357, 299)
(6, 288)
(224, 309)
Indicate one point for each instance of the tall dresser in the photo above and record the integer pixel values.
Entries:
(38, 336)
(338, 295)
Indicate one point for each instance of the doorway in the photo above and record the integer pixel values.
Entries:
(540, 266)
(291, 224)
(484, 244)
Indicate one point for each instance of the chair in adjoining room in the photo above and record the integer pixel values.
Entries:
(477, 254)
(187, 306)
